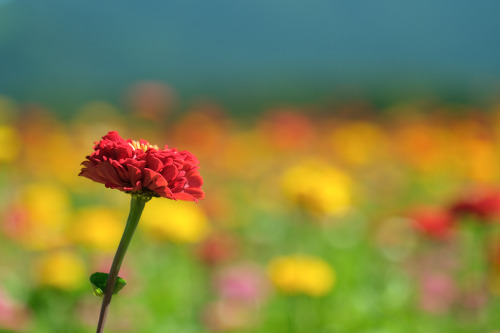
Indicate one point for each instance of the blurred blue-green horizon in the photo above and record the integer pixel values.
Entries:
(64, 53)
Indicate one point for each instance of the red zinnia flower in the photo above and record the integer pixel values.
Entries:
(141, 168)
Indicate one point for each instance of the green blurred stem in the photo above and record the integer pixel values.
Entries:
(292, 313)
(136, 207)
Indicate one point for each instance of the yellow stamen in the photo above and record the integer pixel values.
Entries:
(143, 146)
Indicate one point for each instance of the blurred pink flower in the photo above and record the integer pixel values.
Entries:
(245, 283)
(437, 292)
(13, 316)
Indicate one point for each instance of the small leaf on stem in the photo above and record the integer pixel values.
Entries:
(98, 281)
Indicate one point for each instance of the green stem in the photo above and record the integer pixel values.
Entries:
(136, 207)
(292, 313)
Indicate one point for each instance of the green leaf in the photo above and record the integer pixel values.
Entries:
(98, 281)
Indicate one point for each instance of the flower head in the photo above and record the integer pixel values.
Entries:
(141, 168)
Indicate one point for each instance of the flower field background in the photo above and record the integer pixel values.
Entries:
(334, 217)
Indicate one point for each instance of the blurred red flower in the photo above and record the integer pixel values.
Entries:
(139, 167)
(484, 204)
(437, 224)
(218, 248)
(288, 129)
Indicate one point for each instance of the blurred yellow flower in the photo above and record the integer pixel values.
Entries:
(359, 143)
(40, 132)
(97, 227)
(178, 221)
(318, 188)
(62, 270)
(10, 143)
(48, 205)
(301, 274)
(38, 218)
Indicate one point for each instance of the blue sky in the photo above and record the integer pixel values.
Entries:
(55, 50)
